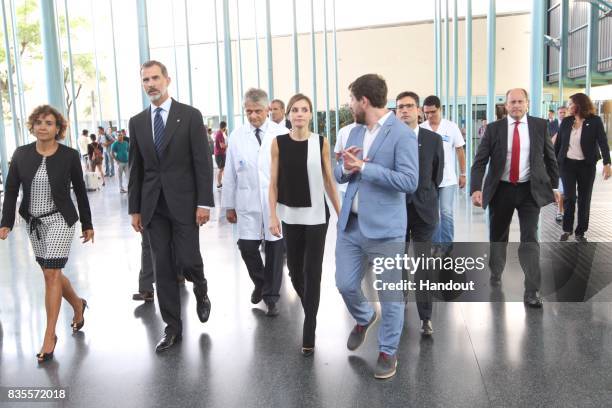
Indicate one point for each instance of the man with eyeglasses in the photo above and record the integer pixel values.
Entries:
(422, 205)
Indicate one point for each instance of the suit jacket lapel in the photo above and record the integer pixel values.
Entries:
(356, 139)
(532, 139)
(503, 130)
(382, 133)
(147, 144)
(172, 123)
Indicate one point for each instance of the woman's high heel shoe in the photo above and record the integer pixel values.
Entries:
(42, 357)
(76, 326)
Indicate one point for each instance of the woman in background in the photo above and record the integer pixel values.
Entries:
(581, 142)
(96, 156)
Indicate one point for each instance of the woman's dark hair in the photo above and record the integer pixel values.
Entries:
(45, 110)
(298, 97)
(584, 106)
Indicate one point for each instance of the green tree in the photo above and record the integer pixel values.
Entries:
(30, 53)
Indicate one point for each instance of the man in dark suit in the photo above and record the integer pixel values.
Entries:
(553, 124)
(277, 113)
(170, 194)
(422, 205)
(522, 175)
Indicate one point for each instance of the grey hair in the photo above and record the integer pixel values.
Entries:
(257, 96)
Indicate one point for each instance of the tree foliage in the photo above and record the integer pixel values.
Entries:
(30, 52)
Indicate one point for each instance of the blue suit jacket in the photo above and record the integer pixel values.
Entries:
(391, 172)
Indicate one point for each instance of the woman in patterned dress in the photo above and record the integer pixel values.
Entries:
(45, 169)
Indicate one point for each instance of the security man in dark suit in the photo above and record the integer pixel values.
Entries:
(522, 174)
(422, 205)
(170, 194)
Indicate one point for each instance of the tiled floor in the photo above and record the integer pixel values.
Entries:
(481, 355)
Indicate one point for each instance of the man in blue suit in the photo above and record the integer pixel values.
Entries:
(380, 166)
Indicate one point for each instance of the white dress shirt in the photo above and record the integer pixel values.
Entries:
(368, 140)
(574, 151)
(263, 129)
(524, 168)
(416, 131)
(341, 139)
(164, 114)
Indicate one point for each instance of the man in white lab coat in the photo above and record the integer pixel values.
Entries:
(245, 197)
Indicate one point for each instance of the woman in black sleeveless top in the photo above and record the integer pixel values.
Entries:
(300, 177)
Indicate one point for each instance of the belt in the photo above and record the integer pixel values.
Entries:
(36, 222)
(515, 184)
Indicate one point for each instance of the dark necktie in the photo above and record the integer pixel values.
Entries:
(257, 131)
(515, 159)
(158, 131)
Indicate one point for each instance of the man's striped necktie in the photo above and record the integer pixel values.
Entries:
(158, 131)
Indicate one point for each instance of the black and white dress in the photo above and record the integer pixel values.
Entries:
(49, 234)
(304, 212)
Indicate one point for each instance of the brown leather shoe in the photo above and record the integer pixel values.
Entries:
(144, 296)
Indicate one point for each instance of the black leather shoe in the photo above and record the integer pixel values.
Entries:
(144, 296)
(564, 236)
(256, 296)
(533, 299)
(167, 342)
(203, 308)
(580, 238)
(272, 310)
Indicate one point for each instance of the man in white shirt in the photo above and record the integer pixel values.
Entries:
(341, 139)
(380, 165)
(84, 141)
(453, 143)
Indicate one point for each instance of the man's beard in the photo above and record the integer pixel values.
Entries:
(359, 117)
(156, 97)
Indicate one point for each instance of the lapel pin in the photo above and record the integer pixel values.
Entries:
(178, 120)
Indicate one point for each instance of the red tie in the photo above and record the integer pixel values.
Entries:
(516, 155)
